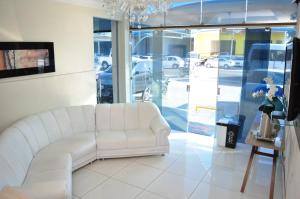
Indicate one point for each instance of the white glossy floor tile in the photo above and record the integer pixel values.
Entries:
(263, 167)
(196, 168)
(85, 180)
(190, 167)
(259, 187)
(173, 186)
(138, 174)
(225, 178)
(208, 191)
(159, 162)
(246, 196)
(207, 155)
(232, 159)
(113, 189)
(148, 195)
(109, 167)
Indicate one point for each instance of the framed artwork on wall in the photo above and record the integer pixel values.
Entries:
(26, 58)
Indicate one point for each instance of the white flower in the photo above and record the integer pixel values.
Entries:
(272, 88)
(269, 80)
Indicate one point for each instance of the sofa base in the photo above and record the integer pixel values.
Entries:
(77, 164)
(121, 153)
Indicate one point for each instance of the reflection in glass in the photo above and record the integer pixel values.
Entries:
(103, 60)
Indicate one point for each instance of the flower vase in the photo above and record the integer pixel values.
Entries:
(265, 128)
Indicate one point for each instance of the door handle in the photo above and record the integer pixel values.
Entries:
(188, 88)
(219, 91)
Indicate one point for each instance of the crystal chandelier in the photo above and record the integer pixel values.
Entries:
(137, 11)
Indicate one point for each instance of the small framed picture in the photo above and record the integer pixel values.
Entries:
(26, 58)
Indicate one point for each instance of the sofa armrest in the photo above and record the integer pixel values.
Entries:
(160, 126)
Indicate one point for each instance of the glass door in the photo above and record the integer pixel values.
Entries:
(176, 48)
(203, 81)
(177, 70)
(160, 74)
(231, 64)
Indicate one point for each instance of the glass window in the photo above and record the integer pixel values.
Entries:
(103, 60)
(217, 12)
(224, 12)
(268, 11)
(155, 20)
(179, 70)
(174, 16)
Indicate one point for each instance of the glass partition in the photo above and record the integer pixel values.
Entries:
(219, 12)
(264, 57)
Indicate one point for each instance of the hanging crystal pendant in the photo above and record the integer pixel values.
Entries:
(136, 11)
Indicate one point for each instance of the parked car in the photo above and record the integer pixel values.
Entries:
(237, 61)
(173, 62)
(193, 59)
(224, 62)
(272, 55)
(218, 62)
(104, 86)
(141, 78)
(103, 61)
(135, 59)
(146, 57)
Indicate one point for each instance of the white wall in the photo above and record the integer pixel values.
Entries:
(292, 163)
(70, 27)
(292, 151)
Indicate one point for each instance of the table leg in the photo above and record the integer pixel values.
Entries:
(273, 175)
(254, 149)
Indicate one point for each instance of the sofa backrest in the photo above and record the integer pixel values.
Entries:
(125, 116)
(23, 140)
(15, 157)
(47, 127)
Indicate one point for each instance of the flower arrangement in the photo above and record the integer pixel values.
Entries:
(268, 89)
(272, 92)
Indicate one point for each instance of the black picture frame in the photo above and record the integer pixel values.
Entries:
(11, 47)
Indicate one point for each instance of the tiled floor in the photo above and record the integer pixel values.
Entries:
(195, 168)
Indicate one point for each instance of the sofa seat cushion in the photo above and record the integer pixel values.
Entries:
(46, 190)
(51, 175)
(78, 145)
(140, 138)
(42, 163)
(109, 139)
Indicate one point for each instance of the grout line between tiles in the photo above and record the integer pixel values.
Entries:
(165, 171)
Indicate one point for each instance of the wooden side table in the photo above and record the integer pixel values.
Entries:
(256, 144)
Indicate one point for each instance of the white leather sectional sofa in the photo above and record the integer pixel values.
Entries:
(39, 153)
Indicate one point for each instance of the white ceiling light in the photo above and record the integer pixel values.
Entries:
(137, 11)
